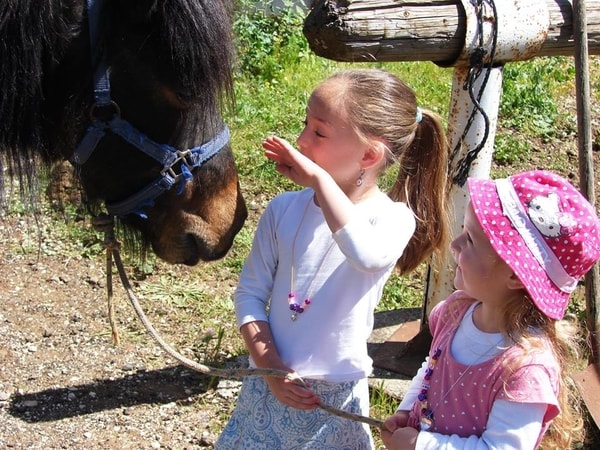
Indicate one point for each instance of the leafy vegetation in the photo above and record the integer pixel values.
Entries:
(529, 104)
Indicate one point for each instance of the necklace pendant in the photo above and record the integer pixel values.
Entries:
(294, 316)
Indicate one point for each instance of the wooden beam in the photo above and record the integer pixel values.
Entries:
(421, 30)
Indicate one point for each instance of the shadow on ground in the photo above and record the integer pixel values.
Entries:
(165, 385)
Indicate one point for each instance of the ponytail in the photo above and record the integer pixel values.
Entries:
(423, 184)
(381, 106)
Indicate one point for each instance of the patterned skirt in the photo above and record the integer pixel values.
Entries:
(261, 422)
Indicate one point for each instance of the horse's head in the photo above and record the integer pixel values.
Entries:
(169, 65)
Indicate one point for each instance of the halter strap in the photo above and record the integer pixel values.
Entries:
(101, 81)
(189, 159)
(166, 155)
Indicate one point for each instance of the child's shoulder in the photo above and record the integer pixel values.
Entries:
(457, 301)
(452, 308)
(288, 196)
(288, 199)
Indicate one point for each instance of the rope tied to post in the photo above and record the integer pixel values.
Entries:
(105, 223)
(477, 65)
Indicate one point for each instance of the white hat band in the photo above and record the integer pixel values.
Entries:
(513, 209)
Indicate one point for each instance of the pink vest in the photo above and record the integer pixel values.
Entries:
(462, 407)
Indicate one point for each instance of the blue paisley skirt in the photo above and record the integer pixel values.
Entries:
(261, 422)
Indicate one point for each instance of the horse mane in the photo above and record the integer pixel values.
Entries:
(32, 35)
(201, 46)
(35, 35)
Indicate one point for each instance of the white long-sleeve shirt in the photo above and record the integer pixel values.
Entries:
(343, 273)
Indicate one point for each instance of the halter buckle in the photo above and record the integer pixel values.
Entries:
(184, 157)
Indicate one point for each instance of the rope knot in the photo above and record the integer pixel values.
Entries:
(105, 223)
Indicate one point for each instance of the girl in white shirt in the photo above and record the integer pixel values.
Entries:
(321, 256)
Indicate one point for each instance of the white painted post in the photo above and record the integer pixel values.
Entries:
(512, 31)
(440, 279)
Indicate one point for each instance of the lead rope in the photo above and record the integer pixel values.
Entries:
(105, 224)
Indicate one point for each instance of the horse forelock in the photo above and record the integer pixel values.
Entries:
(199, 35)
(35, 34)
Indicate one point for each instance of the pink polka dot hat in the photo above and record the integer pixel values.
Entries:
(543, 228)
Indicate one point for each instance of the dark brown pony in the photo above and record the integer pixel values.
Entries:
(168, 63)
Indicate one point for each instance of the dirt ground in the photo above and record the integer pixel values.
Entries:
(64, 385)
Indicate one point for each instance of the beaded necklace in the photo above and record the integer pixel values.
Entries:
(295, 307)
(427, 421)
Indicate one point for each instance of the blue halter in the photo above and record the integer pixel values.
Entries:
(165, 154)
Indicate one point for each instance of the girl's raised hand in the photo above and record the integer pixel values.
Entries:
(290, 162)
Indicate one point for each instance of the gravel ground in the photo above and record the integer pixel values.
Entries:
(64, 385)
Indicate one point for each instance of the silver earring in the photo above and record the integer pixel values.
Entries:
(359, 181)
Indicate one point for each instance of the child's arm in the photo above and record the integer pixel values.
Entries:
(414, 388)
(510, 425)
(261, 346)
(366, 245)
(335, 204)
(396, 435)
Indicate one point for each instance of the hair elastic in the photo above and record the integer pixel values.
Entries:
(419, 116)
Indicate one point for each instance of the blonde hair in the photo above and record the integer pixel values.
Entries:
(528, 327)
(380, 106)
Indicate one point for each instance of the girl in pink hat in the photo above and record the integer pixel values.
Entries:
(495, 374)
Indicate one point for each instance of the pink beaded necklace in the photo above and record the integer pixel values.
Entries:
(295, 307)
(427, 420)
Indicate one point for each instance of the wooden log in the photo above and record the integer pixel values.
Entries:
(421, 30)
